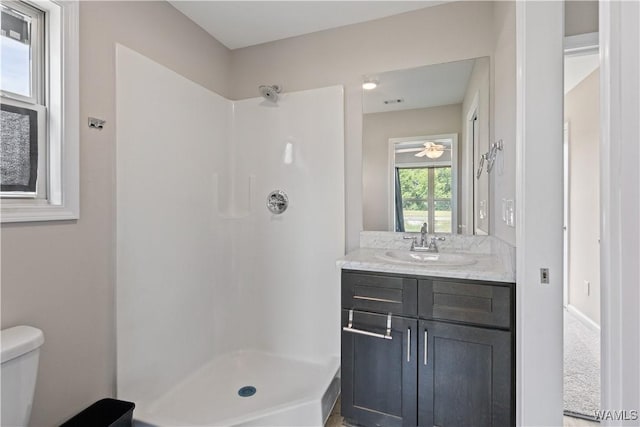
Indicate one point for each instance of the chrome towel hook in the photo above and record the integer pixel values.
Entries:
(490, 157)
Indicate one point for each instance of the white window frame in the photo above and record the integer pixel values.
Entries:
(62, 101)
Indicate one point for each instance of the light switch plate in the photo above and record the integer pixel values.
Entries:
(511, 214)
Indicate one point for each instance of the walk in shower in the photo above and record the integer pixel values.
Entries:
(227, 313)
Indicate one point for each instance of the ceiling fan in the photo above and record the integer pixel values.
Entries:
(432, 150)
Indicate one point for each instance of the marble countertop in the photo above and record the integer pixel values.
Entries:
(492, 262)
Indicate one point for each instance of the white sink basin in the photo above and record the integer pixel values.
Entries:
(428, 258)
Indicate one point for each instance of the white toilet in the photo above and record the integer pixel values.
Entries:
(20, 351)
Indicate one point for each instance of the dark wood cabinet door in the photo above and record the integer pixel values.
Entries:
(379, 375)
(464, 376)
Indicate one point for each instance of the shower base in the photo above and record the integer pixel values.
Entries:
(288, 392)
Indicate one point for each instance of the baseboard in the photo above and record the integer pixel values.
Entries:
(583, 317)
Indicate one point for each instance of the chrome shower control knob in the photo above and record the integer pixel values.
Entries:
(277, 202)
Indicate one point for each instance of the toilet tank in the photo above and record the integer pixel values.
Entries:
(20, 349)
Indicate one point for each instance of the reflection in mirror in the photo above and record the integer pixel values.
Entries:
(423, 177)
(424, 130)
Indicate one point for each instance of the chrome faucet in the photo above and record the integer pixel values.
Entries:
(432, 244)
(423, 234)
(424, 237)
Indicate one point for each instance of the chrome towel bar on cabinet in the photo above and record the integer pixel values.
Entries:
(350, 328)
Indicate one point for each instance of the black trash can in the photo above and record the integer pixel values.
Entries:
(104, 413)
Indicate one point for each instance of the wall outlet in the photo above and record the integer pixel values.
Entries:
(587, 287)
(504, 210)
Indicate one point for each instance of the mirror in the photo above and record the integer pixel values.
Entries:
(424, 132)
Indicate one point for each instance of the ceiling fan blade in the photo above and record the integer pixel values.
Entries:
(408, 150)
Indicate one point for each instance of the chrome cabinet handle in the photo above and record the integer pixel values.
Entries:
(350, 328)
(408, 344)
(390, 301)
(426, 346)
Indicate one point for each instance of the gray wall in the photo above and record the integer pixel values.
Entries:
(59, 276)
(580, 17)
(376, 130)
(582, 112)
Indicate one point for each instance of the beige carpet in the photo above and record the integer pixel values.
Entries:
(581, 368)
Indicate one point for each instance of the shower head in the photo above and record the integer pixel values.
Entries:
(270, 92)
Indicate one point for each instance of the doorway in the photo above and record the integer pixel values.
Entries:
(581, 278)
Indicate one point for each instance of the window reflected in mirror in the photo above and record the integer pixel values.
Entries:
(423, 184)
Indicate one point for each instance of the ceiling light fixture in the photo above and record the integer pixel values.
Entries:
(369, 84)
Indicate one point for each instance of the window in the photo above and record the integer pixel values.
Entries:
(21, 50)
(23, 113)
(39, 110)
(19, 160)
(423, 183)
(426, 197)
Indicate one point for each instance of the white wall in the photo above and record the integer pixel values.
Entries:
(172, 291)
(581, 111)
(620, 200)
(539, 209)
(285, 264)
(377, 128)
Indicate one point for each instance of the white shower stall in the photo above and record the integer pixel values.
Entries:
(227, 314)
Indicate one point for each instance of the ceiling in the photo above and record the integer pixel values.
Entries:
(577, 68)
(422, 87)
(238, 24)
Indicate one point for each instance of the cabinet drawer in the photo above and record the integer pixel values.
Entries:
(477, 303)
(383, 294)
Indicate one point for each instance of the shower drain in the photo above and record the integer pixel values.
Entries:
(247, 391)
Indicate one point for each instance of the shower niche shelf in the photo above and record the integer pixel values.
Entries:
(230, 208)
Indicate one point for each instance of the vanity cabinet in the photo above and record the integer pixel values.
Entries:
(447, 359)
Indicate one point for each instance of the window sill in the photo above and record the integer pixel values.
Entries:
(37, 212)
